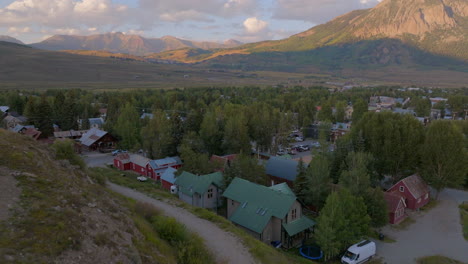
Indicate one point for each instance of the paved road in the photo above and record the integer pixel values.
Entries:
(226, 247)
(437, 232)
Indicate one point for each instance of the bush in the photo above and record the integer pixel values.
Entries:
(64, 150)
(146, 210)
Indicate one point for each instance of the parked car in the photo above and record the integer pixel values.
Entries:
(142, 178)
(359, 252)
(303, 148)
(280, 152)
(299, 139)
(316, 144)
(291, 151)
(117, 151)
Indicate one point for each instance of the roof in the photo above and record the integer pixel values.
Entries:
(123, 157)
(91, 136)
(258, 203)
(4, 108)
(415, 185)
(404, 111)
(189, 183)
(96, 121)
(146, 115)
(70, 133)
(164, 163)
(393, 200)
(139, 160)
(282, 168)
(298, 225)
(169, 175)
(222, 161)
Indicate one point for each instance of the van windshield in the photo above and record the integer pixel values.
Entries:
(350, 255)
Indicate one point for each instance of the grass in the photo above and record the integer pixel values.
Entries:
(464, 218)
(259, 250)
(437, 260)
(429, 206)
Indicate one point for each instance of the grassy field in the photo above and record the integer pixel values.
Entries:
(438, 260)
(261, 251)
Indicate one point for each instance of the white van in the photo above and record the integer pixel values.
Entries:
(359, 253)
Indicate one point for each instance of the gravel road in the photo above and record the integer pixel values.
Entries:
(437, 232)
(225, 246)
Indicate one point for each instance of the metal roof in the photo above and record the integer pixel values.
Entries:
(96, 121)
(282, 168)
(258, 203)
(93, 135)
(298, 225)
(189, 183)
(164, 163)
(4, 108)
(169, 175)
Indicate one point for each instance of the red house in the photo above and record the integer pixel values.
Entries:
(140, 165)
(414, 191)
(168, 178)
(122, 161)
(395, 206)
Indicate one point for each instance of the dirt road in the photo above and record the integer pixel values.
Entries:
(226, 247)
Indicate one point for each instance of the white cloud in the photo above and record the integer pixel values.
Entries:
(254, 25)
(318, 11)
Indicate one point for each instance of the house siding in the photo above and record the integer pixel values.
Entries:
(213, 201)
(231, 207)
(166, 185)
(399, 214)
(267, 232)
(412, 202)
(185, 198)
(296, 206)
(276, 180)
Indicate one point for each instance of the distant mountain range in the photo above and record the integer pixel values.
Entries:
(395, 32)
(10, 39)
(126, 43)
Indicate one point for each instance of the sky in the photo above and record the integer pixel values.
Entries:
(209, 20)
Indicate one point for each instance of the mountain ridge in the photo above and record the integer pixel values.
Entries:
(10, 39)
(125, 43)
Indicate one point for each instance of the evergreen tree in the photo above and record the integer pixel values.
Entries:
(444, 159)
(44, 118)
(301, 182)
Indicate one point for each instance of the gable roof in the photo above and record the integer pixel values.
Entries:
(282, 168)
(258, 203)
(169, 175)
(189, 183)
(139, 160)
(70, 133)
(164, 163)
(91, 136)
(393, 200)
(123, 157)
(298, 225)
(4, 108)
(416, 186)
(96, 121)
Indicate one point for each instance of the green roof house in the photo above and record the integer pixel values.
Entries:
(268, 213)
(202, 191)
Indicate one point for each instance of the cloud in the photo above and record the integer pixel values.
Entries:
(63, 13)
(317, 11)
(254, 25)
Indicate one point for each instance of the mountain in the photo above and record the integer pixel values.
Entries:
(437, 27)
(10, 39)
(125, 43)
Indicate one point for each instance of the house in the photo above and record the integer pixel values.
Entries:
(13, 119)
(281, 170)
(338, 130)
(349, 112)
(4, 108)
(414, 191)
(30, 131)
(267, 213)
(103, 113)
(96, 139)
(202, 191)
(140, 165)
(96, 122)
(436, 100)
(146, 115)
(395, 206)
(168, 178)
(122, 161)
(157, 167)
(222, 162)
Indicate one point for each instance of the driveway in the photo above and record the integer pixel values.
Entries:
(226, 247)
(97, 159)
(437, 232)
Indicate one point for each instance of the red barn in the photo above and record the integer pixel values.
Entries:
(414, 191)
(140, 165)
(157, 167)
(395, 206)
(122, 161)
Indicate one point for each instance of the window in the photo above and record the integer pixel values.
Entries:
(210, 193)
(232, 202)
(402, 188)
(419, 200)
(427, 196)
(293, 214)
